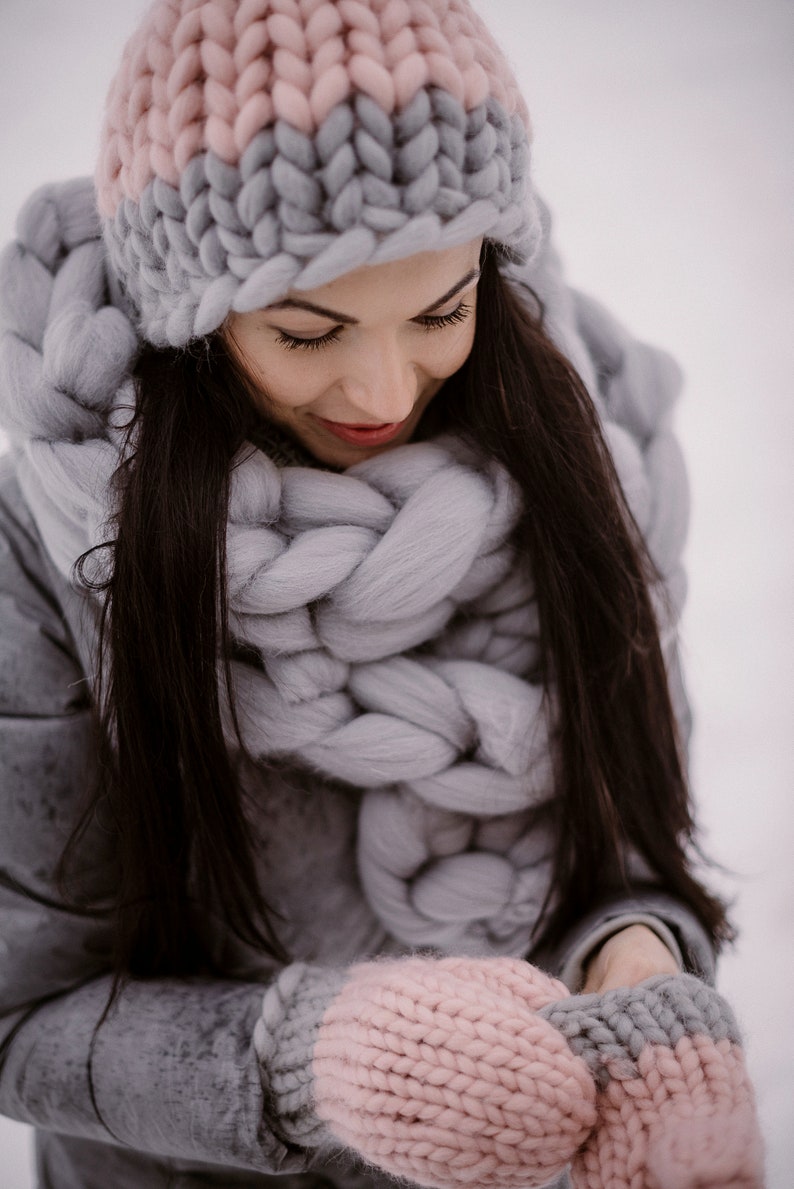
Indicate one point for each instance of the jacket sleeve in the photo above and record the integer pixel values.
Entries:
(172, 1070)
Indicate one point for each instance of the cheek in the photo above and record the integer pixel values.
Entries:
(287, 382)
(441, 359)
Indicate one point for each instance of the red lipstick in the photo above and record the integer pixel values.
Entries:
(362, 435)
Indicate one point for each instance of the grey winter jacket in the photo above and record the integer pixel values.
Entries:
(168, 1091)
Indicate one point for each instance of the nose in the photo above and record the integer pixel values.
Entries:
(384, 385)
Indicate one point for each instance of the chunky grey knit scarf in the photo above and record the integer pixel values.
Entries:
(396, 637)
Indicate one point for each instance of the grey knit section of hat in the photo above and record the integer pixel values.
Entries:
(609, 1031)
(302, 210)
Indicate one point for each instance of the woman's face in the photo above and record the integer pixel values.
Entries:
(349, 368)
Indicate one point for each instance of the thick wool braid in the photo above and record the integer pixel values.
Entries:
(460, 1071)
(257, 146)
(335, 579)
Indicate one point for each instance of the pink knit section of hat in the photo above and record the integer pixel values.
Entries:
(208, 75)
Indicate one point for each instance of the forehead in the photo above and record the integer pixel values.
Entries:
(412, 283)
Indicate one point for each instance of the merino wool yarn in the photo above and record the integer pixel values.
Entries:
(395, 639)
(253, 146)
(487, 1073)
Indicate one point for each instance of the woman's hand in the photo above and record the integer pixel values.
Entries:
(627, 958)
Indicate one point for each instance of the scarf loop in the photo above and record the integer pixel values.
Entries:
(396, 636)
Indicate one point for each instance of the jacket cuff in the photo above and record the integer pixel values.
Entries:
(675, 924)
(574, 966)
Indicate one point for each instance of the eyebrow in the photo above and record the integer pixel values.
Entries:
(296, 303)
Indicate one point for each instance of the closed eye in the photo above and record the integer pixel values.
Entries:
(436, 321)
(293, 344)
(426, 321)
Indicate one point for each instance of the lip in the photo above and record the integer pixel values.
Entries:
(362, 435)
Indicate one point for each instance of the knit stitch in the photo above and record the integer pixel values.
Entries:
(250, 148)
(336, 579)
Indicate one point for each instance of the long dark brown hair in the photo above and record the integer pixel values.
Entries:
(168, 781)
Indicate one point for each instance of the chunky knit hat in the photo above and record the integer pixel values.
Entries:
(253, 146)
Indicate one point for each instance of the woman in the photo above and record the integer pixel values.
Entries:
(341, 708)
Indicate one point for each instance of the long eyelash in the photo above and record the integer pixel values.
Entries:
(435, 322)
(293, 344)
(426, 321)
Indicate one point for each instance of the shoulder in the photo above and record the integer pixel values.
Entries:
(40, 673)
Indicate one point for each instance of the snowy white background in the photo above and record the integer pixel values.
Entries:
(664, 143)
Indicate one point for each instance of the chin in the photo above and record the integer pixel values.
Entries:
(342, 455)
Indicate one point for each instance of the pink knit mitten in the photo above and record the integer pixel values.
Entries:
(675, 1104)
(437, 1070)
(486, 1073)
